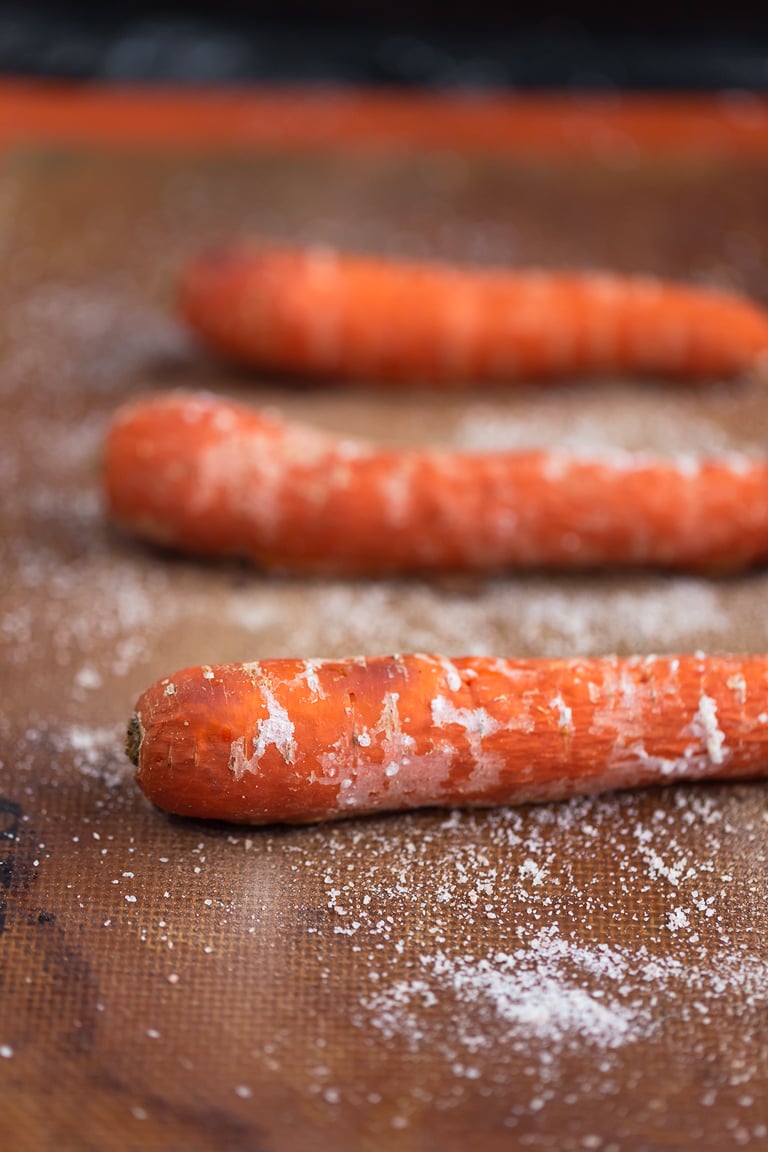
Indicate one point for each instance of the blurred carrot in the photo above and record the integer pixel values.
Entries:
(316, 312)
(215, 478)
(297, 740)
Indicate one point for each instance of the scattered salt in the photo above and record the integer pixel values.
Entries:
(546, 985)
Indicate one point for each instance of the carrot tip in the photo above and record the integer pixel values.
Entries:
(133, 739)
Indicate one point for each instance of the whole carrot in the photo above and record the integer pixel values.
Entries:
(317, 312)
(303, 740)
(211, 477)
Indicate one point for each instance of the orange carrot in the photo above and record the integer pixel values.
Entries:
(316, 312)
(303, 740)
(211, 477)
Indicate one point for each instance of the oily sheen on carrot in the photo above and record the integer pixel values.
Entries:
(215, 478)
(303, 740)
(319, 312)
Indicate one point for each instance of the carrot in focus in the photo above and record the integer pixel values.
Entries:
(317, 312)
(211, 477)
(303, 740)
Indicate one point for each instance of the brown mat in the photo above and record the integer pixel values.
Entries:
(585, 976)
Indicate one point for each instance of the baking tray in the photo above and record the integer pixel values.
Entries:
(589, 975)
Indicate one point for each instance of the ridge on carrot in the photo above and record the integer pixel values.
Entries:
(298, 741)
(316, 312)
(211, 477)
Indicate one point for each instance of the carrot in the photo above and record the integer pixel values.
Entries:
(214, 478)
(303, 740)
(316, 312)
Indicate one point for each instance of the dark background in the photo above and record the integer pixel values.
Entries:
(486, 45)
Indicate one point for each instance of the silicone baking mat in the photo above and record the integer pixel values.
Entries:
(591, 975)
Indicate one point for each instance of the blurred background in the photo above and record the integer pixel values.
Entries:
(390, 43)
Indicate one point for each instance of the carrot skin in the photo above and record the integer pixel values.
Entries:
(297, 741)
(317, 312)
(210, 477)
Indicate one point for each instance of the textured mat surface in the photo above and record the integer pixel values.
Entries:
(584, 976)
